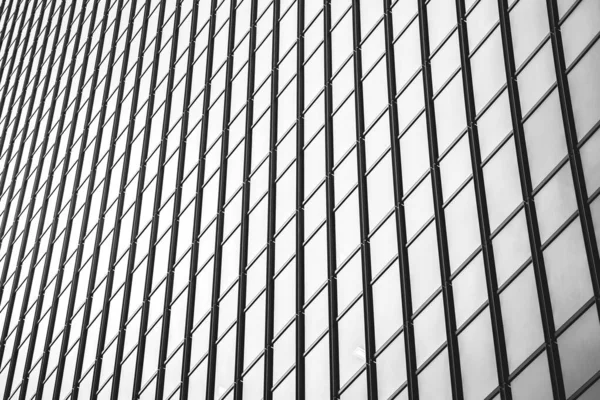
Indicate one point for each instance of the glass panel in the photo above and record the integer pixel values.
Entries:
(529, 21)
(579, 347)
(591, 163)
(391, 368)
(533, 383)
(584, 83)
(469, 290)
(580, 28)
(430, 330)
(434, 381)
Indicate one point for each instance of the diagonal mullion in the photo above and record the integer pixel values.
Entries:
(482, 208)
(36, 183)
(64, 349)
(271, 209)
(399, 212)
(440, 220)
(141, 184)
(300, 259)
(581, 193)
(539, 268)
(334, 356)
(244, 226)
(58, 207)
(48, 190)
(13, 232)
(365, 248)
(221, 201)
(12, 58)
(198, 202)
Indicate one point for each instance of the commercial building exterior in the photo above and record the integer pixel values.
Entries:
(278, 199)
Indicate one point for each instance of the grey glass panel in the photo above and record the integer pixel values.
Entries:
(534, 382)
(579, 29)
(529, 20)
(430, 330)
(591, 163)
(579, 348)
(434, 381)
(469, 290)
(522, 320)
(391, 368)
(511, 247)
(584, 83)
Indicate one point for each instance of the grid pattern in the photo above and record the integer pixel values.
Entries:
(259, 199)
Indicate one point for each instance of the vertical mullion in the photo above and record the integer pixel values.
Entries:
(271, 210)
(581, 193)
(334, 357)
(363, 200)
(87, 208)
(48, 183)
(222, 194)
(156, 208)
(166, 314)
(5, 59)
(6, 15)
(122, 187)
(104, 200)
(440, 220)
(34, 190)
(530, 209)
(482, 208)
(300, 318)
(8, 155)
(17, 163)
(407, 308)
(533, 229)
(198, 201)
(139, 194)
(61, 190)
(178, 193)
(244, 226)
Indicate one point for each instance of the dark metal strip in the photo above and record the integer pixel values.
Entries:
(55, 298)
(581, 193)
(3, 136)
(48, 190)
(539, 268)
(222, 197)
(447, 293)
(166, 318)
(272, 209)
(64, 349)
(363, 201)
(104, 200)
(36, 183)
(158, 203)
(13, 232)
(482, 208)
(334, 357)
(244, 226)
(300, 274)
(141, 184)
(191, 297)
(401, 237)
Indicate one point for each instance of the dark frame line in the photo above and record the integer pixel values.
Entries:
(577, 171)
(245, 224)
(440, 220)
(118, 364)
(48, 190)
(489, 262)
(16, 276)
(533, 229)
(300, 260)
(399, 212)
(191, 297)
(272, 208)
(363, 204)
(221, 200)
(334, 356)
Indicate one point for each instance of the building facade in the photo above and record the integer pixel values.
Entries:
(278, 199)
